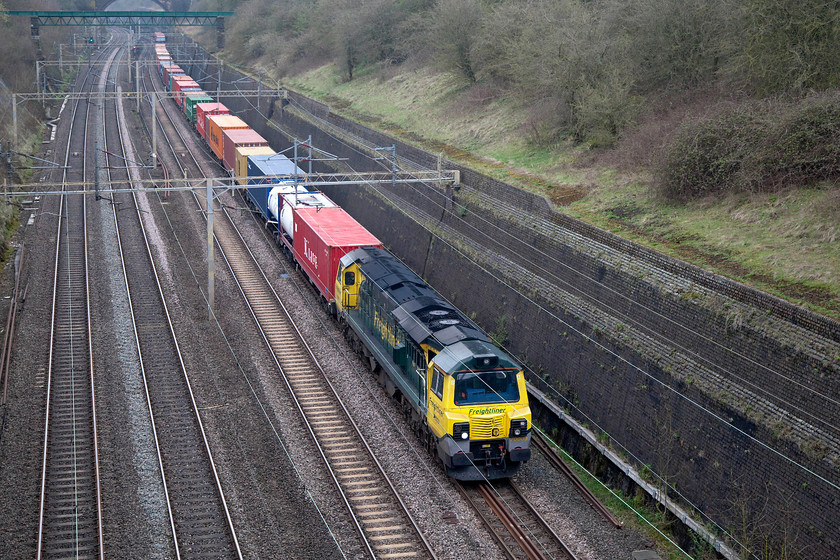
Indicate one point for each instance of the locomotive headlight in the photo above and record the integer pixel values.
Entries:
(518, 427)
(461, 430)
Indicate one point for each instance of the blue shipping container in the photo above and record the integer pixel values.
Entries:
(279, 167)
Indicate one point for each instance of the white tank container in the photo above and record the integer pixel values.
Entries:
(279, 190)
(305, 200)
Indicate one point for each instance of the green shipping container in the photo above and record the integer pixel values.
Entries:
(192, 100)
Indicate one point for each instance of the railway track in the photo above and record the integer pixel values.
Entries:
(70, 517)
(513, 522)
(385, 527)
(200, 520)
(381, 517)
(545, 448)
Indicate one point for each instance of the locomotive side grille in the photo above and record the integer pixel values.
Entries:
(483, 427)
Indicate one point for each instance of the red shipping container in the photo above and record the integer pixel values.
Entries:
(321, 237)
(182, 82)
(239, 138)
(174, 78)
(169, 71)
(162, 65)
(214, 127)
(204, 110)
(180, 85)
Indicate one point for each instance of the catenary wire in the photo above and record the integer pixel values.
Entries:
(635, 367)
(249, 382)
(753, 362)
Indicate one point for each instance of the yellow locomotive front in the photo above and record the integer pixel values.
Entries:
(478, 411)
(462, 392)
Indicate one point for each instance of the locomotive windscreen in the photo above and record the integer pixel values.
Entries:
(486, 387)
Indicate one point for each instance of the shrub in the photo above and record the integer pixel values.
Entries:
(601, 113)
(708, 154)
(758, 146)
(804, 146)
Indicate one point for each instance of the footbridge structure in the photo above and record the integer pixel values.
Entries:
(102, 18)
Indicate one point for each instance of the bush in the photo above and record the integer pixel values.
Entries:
(759, 146)
(708, 154)
(805, 145)
(601, 113)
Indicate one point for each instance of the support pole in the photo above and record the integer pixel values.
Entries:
(211, 253)
(100, 142)
(137, 83)
(393, 149)
(393, 166)
(60, 60)
(96, 169)
(154, 130)
(295, 158)
(14, 120)
(38, 79)
(259, 90)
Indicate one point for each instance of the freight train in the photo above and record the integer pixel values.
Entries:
(464, 397)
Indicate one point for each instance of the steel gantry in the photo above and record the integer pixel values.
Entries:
(128, 19)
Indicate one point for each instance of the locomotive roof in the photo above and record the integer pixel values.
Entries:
(473, 355)
(425, 316)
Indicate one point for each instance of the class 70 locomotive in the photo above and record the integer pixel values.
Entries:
(466, 397)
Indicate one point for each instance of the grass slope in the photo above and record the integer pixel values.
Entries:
(784, 242)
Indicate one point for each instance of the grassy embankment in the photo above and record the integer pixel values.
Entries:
(783, 242)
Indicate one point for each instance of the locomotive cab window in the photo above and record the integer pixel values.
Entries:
(430, 353)
(486, 387)
(349, 278)
(437, 384)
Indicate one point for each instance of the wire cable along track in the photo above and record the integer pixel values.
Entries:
(385, 527)
(70, 518)
(540, 443)
(200, 521)
(516, 526)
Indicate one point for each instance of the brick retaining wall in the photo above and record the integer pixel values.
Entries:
(582, 356)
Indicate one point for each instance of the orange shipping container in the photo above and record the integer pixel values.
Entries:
(215, 125)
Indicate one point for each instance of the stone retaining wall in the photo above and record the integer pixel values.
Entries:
(725, 391)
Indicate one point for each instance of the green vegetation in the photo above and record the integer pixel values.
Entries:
(756, 147)
(704, 129)
(17, 75)
(635, 510)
